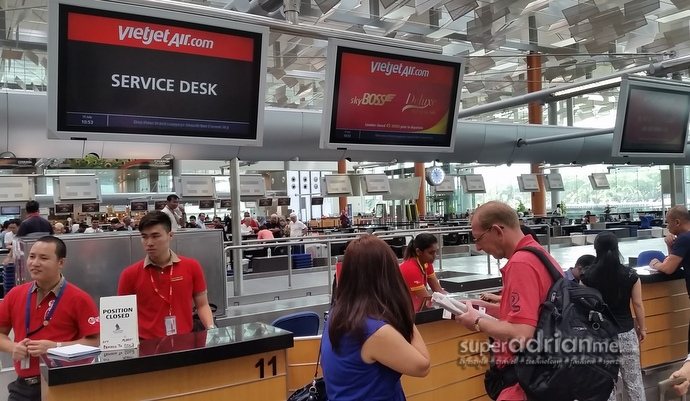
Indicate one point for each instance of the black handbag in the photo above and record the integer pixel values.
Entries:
(314, 391)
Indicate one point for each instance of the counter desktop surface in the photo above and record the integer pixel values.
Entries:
(226, 363)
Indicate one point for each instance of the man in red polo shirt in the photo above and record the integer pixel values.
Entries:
(47, 313)
(164, 283)
(526, 282)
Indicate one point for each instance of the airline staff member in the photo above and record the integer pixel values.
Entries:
(418, 268)
(47, 313)
(164, 283)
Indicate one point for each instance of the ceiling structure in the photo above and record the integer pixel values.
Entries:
(578, 40)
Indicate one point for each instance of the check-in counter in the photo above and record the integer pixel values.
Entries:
(667, 312)
(237, 362)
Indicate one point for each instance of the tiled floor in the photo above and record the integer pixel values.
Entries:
(566, 256)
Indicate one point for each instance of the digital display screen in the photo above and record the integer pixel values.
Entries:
(122, 73)
(159, 205)
(316, 201)
(64, 208)
(283, 201)
(394, 100)
(90, 207)
(142, 206)
(656, 121)
(207, 204)
(10, 210)
(225, 203)
(265, 202)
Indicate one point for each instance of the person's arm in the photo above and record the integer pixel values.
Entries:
(389, 348)
(203, 309)
(124, 286)
(497, 329)
(435, 285)
(639, 311)
(668, 265)
(40, 347)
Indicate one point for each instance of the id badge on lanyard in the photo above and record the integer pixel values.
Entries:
(169, 321)
(26, 362)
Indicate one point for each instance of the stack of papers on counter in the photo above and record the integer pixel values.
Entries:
(74, 351)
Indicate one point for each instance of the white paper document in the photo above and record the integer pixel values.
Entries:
(74, 351)
(452, 305)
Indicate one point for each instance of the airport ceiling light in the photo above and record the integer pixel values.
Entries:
(588, 88)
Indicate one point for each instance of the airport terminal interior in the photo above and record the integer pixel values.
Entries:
(354, 117)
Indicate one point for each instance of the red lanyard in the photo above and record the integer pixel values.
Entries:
(169, 301)
(423, 270)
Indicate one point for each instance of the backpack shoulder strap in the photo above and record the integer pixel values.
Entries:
(555, 275)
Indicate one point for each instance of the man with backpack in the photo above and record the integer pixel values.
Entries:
(538, 307)
(496, 231)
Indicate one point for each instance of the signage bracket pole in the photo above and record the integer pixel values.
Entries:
(237, 279)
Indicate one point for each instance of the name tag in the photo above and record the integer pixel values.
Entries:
(176, 278)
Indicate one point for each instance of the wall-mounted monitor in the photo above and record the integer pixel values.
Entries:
(68, 188)
(92, 207)
(196, 186)
(599, 181)
(652, 119)
(404, 189)
(447, 186)
(225, 203)
(265, 202)
(207, 204)
(316, 200)
(64, 208)
(473, 183)
(528, 183)
(336, 185)
(252, 186)
(10, 210)
(283, 201)
(382, 98)
(159, 205)
(553, 182)
(139, 206)
(152, 75)
(16, 189)
(376, 184)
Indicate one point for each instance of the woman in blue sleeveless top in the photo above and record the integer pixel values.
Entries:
(370, 339)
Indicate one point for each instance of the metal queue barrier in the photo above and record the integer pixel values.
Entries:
(330, 239)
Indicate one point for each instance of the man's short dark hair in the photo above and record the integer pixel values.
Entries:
(585, 260)
(60, 247)
(32, 206)
(6, 224)
(14, 221)
(172, 197)
(192, 217)
(115, 220)
(155, 218)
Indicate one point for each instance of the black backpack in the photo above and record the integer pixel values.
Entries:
(574, 315)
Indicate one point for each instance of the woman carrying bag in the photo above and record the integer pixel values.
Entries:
(370, 339)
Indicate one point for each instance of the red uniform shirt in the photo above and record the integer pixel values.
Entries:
(526, 284)
(75, 317)
(416, 277)
(153, 307)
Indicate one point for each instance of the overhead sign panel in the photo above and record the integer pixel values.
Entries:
(381, 98)
(154, 75)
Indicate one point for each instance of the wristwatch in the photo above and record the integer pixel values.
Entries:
(58, 345)
(213, 326)
(476, 323)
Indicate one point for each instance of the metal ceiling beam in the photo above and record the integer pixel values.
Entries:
(310, 31)
(661, 68)
(23, 45)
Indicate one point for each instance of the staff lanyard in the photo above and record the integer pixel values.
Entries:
(47, 318)
(423, 270)
(155, 288)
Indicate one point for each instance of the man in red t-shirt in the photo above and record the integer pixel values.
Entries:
(526, 282)
(58, 314)
(165, 284)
